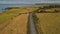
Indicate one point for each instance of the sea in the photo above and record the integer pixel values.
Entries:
(3, 6)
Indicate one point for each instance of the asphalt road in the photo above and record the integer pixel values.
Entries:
(32, 28)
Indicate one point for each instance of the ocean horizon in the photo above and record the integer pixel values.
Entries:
(3, 6)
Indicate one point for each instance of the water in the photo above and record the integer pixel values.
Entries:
(3, 6)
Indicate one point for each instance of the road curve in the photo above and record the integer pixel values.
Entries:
(32, 28)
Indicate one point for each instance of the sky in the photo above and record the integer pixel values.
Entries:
(27, 1)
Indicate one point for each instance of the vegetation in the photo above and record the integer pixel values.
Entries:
(15, 11)
(49, 21)
(11, 13)
(46, 17)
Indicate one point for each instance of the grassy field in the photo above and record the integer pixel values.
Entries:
(17, 25)
(11, 13)
(15, 19)
(48, 23)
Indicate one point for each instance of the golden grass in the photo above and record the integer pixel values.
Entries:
(48, 23)
(16, 26)
(52, 9)
(8, 14)
(11, 14)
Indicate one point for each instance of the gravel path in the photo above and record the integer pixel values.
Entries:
(32, 29)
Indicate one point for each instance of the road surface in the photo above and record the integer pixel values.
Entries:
(32, 28)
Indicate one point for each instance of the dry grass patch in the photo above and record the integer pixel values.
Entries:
(49, 23)
(8, 14)
(20, 23)
(16, 26)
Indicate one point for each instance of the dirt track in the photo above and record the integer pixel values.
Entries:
(18, 25)
(32, 28)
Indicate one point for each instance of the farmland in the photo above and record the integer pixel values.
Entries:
(14, 20)
(48, 23)
(46, 19)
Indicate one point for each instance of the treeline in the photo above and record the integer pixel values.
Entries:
(11, 8)
(50, 6)
(42, 9)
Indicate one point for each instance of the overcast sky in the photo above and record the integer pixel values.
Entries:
(30, 0)
(27, 1)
